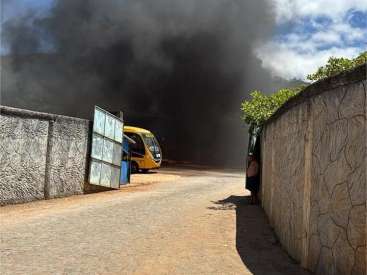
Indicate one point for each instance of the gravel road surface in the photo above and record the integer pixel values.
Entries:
(176, 221)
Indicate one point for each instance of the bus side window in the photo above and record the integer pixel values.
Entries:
(138, 149)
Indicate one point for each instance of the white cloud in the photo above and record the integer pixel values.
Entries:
(287, 10)
(310, 41)
(337, 34)
(290, 63)
(326, 37)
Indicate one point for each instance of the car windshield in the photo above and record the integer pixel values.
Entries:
(151, 143)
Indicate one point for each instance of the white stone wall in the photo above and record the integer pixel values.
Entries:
(314, 175)
(41, 155)
(23, 147)
(68, 157)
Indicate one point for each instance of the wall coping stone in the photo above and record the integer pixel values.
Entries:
(11, 111)
(355, 75)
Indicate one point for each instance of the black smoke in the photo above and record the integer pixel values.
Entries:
(178, 67)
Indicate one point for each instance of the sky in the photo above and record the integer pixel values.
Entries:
(13, 8)
(306, 34)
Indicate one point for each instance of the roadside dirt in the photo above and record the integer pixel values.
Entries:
(177, 221)
(10, 214)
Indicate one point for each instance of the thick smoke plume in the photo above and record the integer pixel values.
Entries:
(178, 67)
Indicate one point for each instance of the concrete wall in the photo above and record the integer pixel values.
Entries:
(41, 155)
(314, 175)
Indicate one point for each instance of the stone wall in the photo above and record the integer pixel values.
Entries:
(42, 156)
(314, 175)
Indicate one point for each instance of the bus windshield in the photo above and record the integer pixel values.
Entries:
(151, 143)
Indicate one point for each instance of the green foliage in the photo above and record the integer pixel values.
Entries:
(257, 110)
(336, 65)
(361, 59)
(260, 107)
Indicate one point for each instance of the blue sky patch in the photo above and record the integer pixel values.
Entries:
(357, 19)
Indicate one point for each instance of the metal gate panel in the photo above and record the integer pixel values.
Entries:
(106, 154)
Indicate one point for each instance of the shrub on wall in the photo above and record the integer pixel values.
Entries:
(337, 65)
(260, 107)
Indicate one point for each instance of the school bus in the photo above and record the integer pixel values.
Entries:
(146, 152)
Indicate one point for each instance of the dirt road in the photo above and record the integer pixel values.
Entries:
(191, 222)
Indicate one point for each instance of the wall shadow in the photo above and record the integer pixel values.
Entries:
(256, 243)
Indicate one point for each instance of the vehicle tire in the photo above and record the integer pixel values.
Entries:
(134, 168)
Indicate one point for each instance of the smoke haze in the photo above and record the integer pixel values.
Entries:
(178, 67)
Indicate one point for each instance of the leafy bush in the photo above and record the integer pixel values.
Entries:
(336, 65)
(260, 107)
(257, 110)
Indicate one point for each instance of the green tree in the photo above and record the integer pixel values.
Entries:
(260, 107)
(336, 65)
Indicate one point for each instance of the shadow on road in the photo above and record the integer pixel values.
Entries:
(147, 172)
(256, 243)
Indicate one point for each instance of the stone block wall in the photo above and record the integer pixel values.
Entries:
(42, 155)
(314, 175)
(288, 168)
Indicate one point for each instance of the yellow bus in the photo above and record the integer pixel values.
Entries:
(146, 153)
